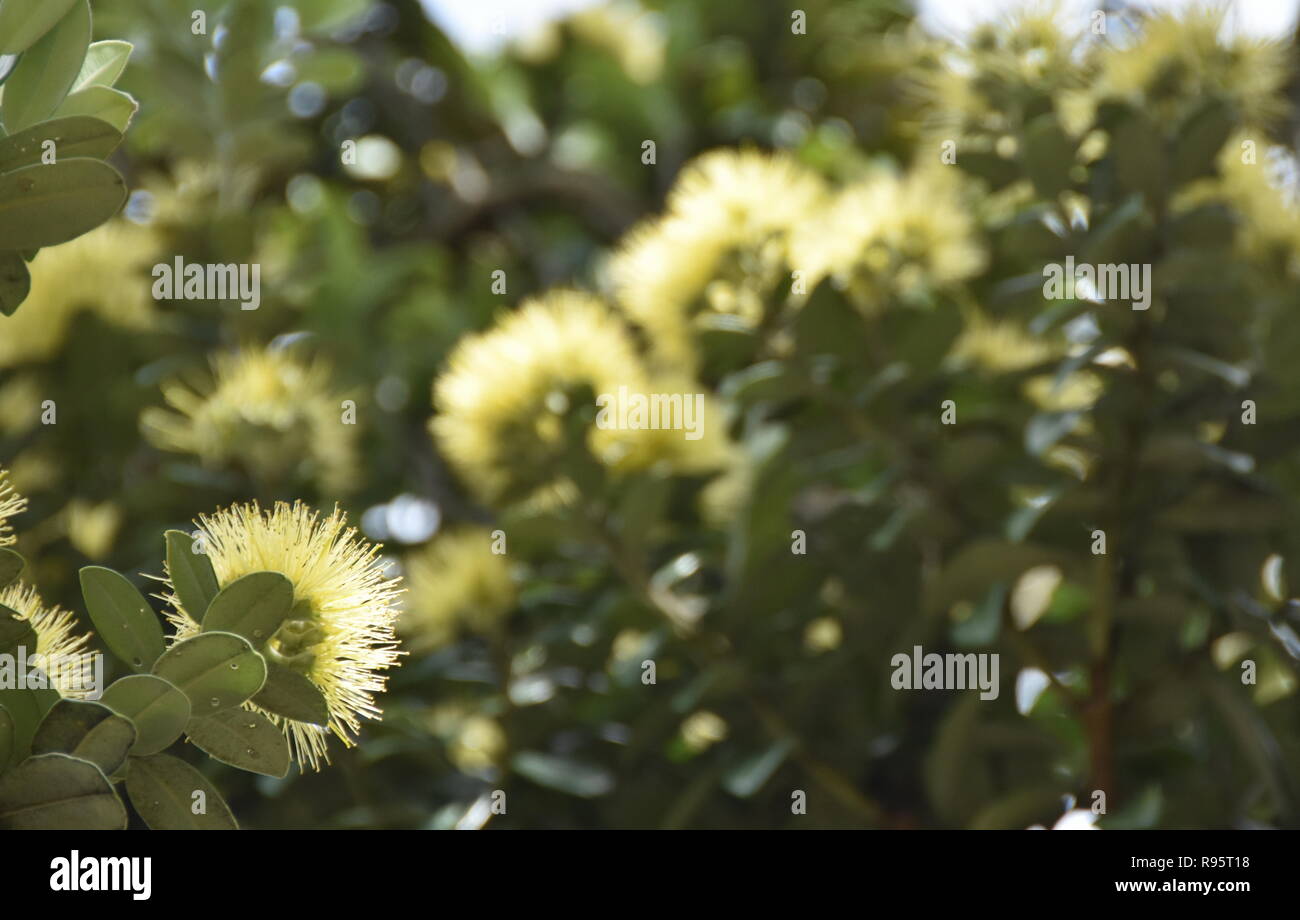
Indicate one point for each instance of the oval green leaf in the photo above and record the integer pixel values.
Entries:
(191, 574)
(216, 670)
(110, 105)
(125, 621)
(11, 566)
(75, 136)
(15, 283)
(244, 739)
(22, 22)
(170, 795)
(47, 70)
(47, 205)
(14, 632)
(26, 708)
(104, 63)
(290, 694)
(252, 606)
(58, 792)
(90, 731)
(157, 708)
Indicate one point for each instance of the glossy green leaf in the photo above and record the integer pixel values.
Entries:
(191, 574)
(47, 70)
(124, 619)
(47, 205)
(170, 795)
(158, 710)
(244, 739)
(90, 731)
(22, 22)
(104, 63)
(59, 792)
(15, 282)
(76, 136)
(252, 606)
(290, 694)
(216, 670)
(102, 102)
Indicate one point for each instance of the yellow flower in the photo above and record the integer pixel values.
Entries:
(457, 581)
(1000, 346)
(11, 503)
(721, 248)
(505, 399)
(888, 234)
(349, 602)
(104, 272)
(65, 658)
(266, 409)
(1179, 60)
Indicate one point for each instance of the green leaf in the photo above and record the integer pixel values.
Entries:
(252, 606)
(216, 670)
(11, 566)
(980, 564)
(77, 136)
(562, 774)
(751, 774)
(7, 729)
(1047, 155)
(290, 694)
(1140, 160)
(22, 22)
(90, 731)
(58, 792)
(47, 70)
(244, 739)
(1200, 139)
(324, 15)
(191, 574)
(158, 710)
(125, 621)
(165, 791)
(15, 632)
(15, 283)
(26, 708)
(48, 205)
(110, 105)
(104, 63)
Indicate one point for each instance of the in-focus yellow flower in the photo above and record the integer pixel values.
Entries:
(891, 235)
(722, 247)
(504, 403)
(67, 662)
(104, 272)
(456, 582)
(341, 634)
(266, 409)
(11, 503)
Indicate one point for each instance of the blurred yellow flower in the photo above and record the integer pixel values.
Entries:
(340, 635)
(891, 235)
(722, 247)
(1000, 346)
(266, 409)
(702, 730)
(67, 661)
(456, 582)
(104, 272)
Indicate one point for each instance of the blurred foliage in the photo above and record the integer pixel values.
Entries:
(489, 223)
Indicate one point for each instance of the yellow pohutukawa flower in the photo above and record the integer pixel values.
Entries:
(104, 272)
(1180, 59)
(266, 409)
(67, 662)
(891, 235)
(505, 400)
(340, 635)
(456, 582)
(722, 247)
(1000, 347)
(11, 503)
